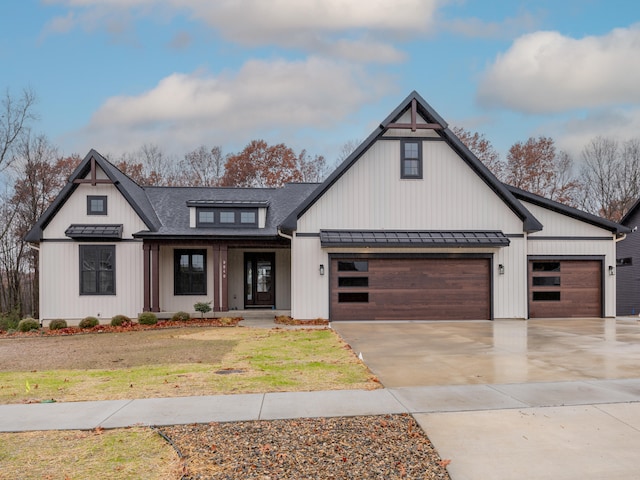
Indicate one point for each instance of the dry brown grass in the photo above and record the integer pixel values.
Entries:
(133, 453)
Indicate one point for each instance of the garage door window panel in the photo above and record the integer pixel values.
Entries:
(353, 297)
(353, 266)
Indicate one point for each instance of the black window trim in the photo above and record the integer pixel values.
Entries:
(188, 251)
(82, 250)
(403, 159)
(90, 211)
(237, 223)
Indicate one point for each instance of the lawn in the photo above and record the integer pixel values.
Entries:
(176, 362)
(153, 363)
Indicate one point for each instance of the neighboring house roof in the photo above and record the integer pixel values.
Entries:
(568, 211)
(408, 238)
(133, 192)
(630, 214)
(172, 208)
(530, 223)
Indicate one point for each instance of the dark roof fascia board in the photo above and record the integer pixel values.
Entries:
(35, 234)
(530, 223)
(568, 211)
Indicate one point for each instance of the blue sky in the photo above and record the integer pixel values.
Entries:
(116, 74)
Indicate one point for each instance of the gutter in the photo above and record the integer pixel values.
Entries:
(284, 235)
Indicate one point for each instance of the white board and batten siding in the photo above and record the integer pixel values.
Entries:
(59, 258)
(372, 196)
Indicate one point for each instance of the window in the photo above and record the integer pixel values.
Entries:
(546, 266)
(97, 269)
(206, 217)
(546, 281)
(226, 217)
(411, 159)
(353, 281)
(190, 272)
(546, 296)
(353, 297)
(353, 266)
(248, 218)
(624, 262)
(96, 205)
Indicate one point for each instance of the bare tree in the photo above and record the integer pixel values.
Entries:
(202, 167)
(611, 176)
(347, 149)
(15, 115)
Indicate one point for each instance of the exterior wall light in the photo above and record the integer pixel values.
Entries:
(321, 269)
(501, 269)
(612, 270)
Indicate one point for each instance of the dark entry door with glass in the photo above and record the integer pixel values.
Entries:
(259, 279)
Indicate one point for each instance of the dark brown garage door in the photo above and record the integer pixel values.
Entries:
(565, 288)
(410, 289)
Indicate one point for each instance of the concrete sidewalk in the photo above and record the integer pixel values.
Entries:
(560, 430)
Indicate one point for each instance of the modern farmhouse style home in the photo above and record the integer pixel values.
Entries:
(411, 226)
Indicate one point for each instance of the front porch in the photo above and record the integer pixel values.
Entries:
(243, 276)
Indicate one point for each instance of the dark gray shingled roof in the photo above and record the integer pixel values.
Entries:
(568, 211)
(530, 223)
(172, 208)
(408, 238)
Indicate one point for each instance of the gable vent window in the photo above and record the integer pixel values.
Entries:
(410, 159)
(96, 205)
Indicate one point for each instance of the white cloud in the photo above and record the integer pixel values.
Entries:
(261, 99)
(478, 28)
(616, 123)
(547, 72)
(356, 30)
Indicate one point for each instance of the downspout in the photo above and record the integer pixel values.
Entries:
(284, 235)
(32, 246)
(619, 239)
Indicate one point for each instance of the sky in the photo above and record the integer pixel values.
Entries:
(315, 74)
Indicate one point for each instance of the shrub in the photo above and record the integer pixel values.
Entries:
(181, 317)
(147, 318)
(119, 320)
(57, 324)
(9, 321)
(89, 322)
(202, 307)
(27, 324)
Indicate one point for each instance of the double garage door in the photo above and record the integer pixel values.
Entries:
(456, 288)
(410, 289)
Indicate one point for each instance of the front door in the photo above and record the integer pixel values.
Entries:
(259, 279)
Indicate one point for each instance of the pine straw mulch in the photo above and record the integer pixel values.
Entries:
(380, 447)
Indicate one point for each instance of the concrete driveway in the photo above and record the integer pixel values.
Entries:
(407, 354)
(555, 364)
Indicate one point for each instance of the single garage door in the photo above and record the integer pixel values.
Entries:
(410, 289)
(565, 288)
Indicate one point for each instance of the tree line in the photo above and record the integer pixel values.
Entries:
(606, 182)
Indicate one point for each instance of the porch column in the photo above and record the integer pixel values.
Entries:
(146, 248)
(216, 279)
(224, 306)
(155, 277)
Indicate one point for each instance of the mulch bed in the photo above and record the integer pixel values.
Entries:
(128, 327)
(285, 320)
(381, 447)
